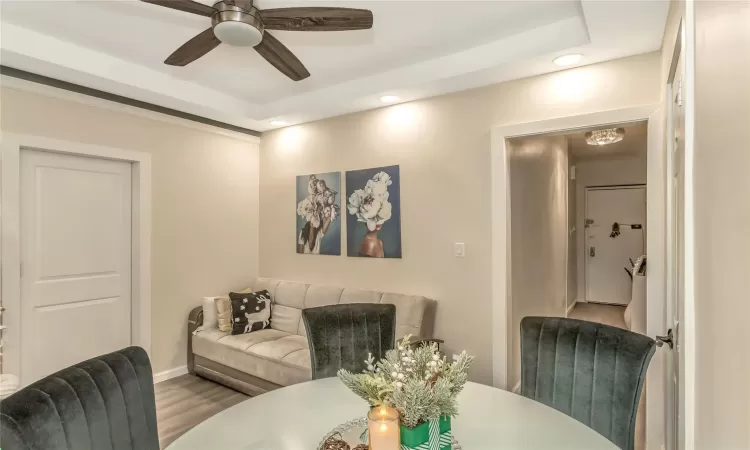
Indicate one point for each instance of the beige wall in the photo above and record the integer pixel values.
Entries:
(722, 225)
(539, 222)
(205, 202)
(604, 172)
(443, 147)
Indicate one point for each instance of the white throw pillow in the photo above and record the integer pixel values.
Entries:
(211, 313)
(210, 319)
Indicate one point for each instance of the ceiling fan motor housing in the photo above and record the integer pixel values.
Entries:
(237, 26)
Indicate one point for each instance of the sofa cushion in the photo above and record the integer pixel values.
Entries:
(414, 314)
(280, 348)
(284, 318)
(410, 311)
(290, 294)
(279, 357)
(244, 341)
(320, 295)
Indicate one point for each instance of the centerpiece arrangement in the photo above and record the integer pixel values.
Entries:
(418, 389)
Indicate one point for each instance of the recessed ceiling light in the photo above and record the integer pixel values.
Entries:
(388, 99)
(278, 123)
(567, 60)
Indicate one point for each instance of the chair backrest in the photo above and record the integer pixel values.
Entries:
(589, 371)
(343, 336)
(105, 403)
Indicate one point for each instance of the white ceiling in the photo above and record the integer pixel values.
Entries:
(633, 145)
(416, 49)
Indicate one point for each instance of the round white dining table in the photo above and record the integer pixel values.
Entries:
(299, 416)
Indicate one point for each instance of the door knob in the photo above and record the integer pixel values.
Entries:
(668, 339)
(592, 251)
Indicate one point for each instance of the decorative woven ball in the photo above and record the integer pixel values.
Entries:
(361, 447)
(335, 443)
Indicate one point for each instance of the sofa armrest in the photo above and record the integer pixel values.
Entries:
(195, 320)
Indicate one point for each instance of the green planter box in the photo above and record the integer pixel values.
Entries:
(418, 438)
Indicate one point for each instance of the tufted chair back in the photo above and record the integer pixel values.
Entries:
(343, 336)
(105, 403)
(589, 371)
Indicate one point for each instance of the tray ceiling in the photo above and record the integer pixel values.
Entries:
(416, 49)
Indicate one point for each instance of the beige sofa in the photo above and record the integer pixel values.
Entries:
(279, 356)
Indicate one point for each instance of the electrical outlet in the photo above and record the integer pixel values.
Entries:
(459, 249)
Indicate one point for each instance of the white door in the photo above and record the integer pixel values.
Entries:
(609, 248)
(75, 260)
(676, 267)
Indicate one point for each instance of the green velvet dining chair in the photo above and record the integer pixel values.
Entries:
(589, 371)
(105, 403)
(343, 336)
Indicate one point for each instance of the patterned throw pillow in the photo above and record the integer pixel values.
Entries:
(250, 312)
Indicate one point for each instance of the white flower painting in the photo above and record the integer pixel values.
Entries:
(318, 210)
(371, 204)
(373, 222)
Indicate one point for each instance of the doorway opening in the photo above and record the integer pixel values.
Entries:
(539, 232)
(578, 228)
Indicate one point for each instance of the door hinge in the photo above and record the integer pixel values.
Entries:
(678, 99)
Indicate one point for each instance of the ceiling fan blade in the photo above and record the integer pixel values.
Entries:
(316, 19)
(185, 5)
(281, 58)
(194, 49)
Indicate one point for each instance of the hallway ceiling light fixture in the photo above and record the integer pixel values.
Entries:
(604, 137)
(568, 60)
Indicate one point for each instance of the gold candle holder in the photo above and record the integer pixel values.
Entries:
(383, 429)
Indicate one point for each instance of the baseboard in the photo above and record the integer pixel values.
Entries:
(570, 308)
(169, 374)
(517, 388)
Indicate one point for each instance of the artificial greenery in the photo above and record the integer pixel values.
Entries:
(419, 383)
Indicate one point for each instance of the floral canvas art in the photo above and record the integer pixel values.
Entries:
(318, 210)
(373, 212)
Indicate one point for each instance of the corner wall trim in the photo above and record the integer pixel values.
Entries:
(169, 374)
(91, 92)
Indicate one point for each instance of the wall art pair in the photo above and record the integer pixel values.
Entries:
(371, 209)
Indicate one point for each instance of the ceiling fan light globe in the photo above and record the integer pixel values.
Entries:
(238, 33)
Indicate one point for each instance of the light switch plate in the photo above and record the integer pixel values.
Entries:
(459, 249)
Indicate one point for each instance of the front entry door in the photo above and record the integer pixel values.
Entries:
(609, 247)
(75, 260)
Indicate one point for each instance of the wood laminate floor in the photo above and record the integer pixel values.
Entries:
(186, 401)
(596, 312)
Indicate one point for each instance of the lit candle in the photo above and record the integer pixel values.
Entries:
(383, 430)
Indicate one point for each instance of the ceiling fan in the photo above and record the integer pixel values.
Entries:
(238, 22)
